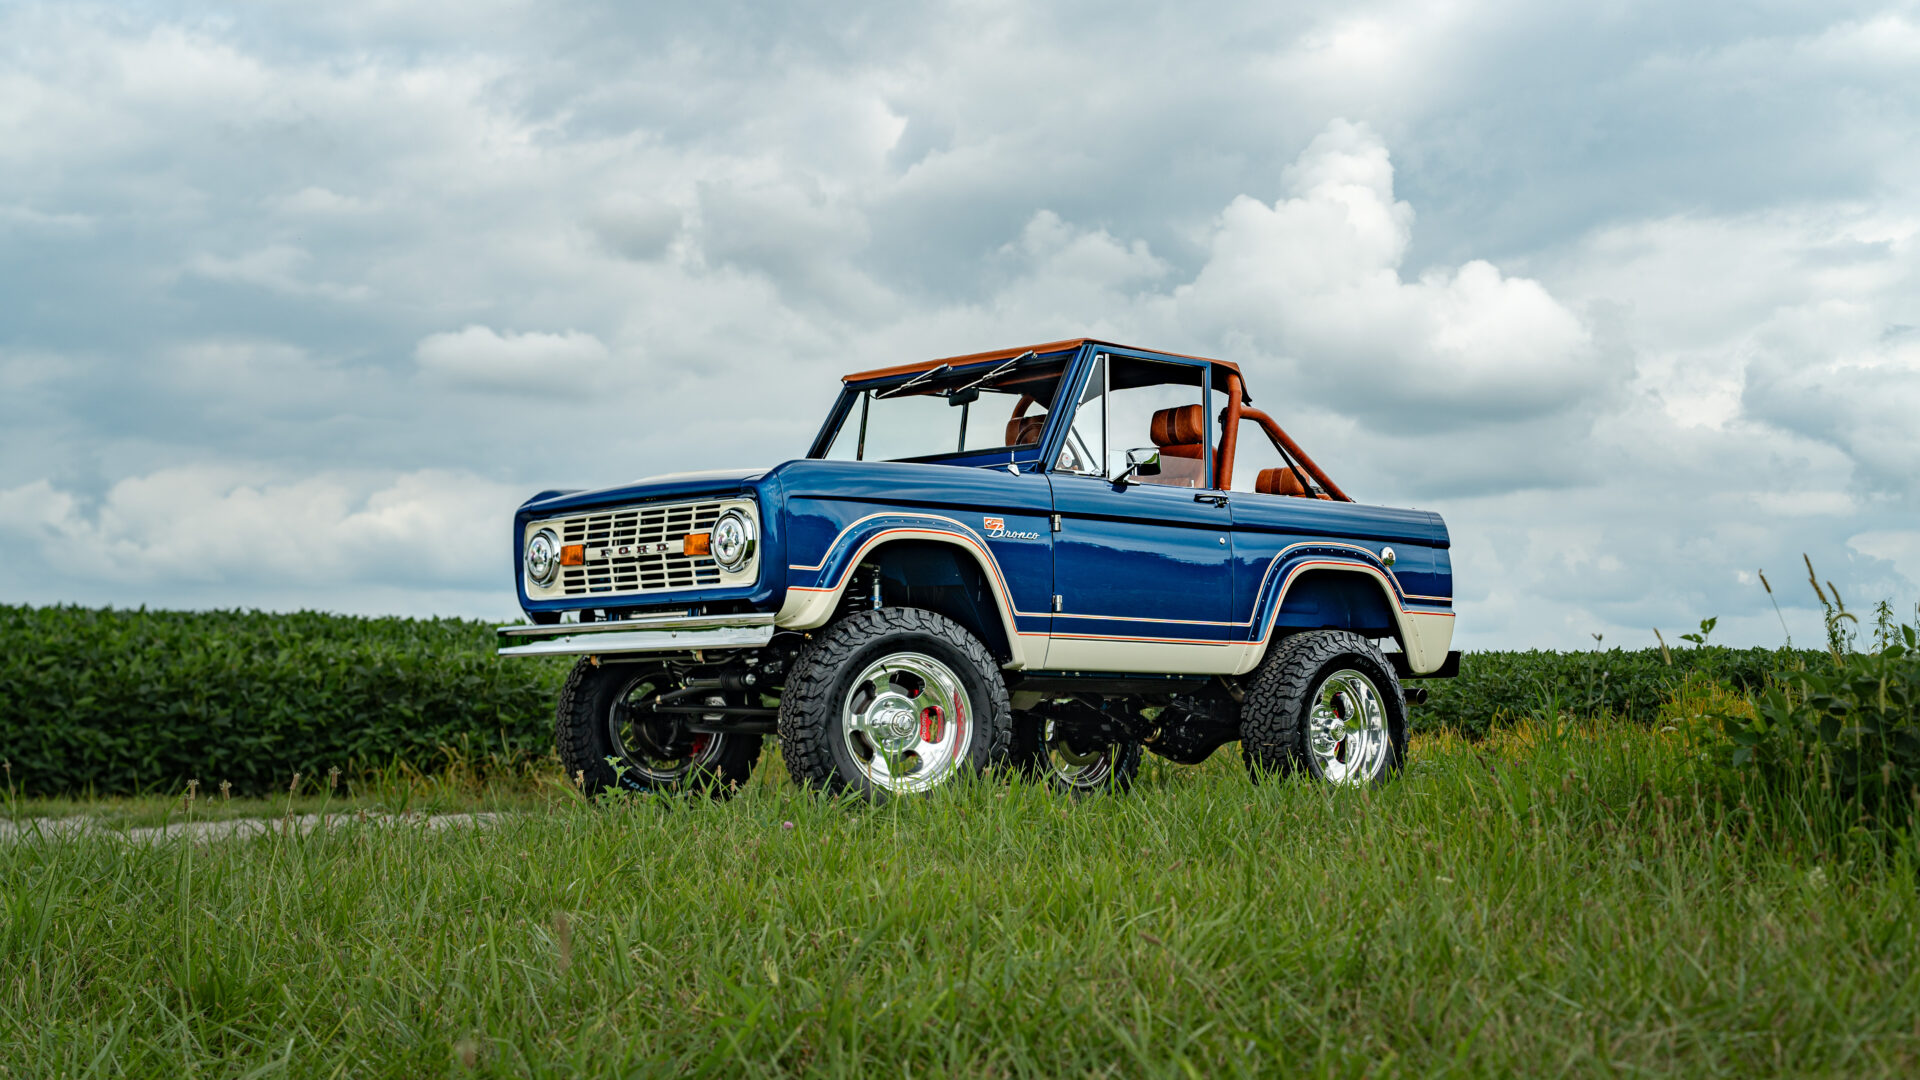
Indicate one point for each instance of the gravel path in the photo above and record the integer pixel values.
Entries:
(81, 826)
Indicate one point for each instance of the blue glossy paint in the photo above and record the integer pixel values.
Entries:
(1277, 536)
(1144, 562)
(836, 508)
(1141, 561)
(1325, 596)
(719, 482)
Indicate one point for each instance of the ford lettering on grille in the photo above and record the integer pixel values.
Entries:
(639, 550)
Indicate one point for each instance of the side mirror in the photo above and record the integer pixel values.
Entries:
(1141, 462)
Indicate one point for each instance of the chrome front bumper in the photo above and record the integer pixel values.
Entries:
(670, 633)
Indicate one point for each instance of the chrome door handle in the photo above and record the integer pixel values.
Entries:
(1217, 500)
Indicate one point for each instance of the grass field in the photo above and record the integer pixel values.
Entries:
(1546, 902)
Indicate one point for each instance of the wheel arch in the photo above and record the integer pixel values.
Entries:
(943, 572)
(948, 579)
(1346, 594)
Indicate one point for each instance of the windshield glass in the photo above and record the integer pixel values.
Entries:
(943, 412)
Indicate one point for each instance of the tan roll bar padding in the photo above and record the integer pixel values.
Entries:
(1286, 445)
(1223, 464)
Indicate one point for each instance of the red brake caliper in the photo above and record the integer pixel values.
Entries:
(931, 720)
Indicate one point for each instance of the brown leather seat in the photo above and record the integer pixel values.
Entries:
(1281, 481)
(1025, 430)
(1180, 431)
(1180, 434)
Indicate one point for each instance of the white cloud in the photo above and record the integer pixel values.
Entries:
(1059, 254)
(26, 217)
(1796, 319)
(26, 369)
(223, 526)
(1315, 279)
(566, 364)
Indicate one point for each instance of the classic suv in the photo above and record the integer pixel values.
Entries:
(1048, 557)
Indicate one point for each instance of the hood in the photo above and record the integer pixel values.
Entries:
(665, 486)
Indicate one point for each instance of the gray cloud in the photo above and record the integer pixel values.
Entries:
(1625, 293)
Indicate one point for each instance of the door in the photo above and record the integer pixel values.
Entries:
(1142, 563)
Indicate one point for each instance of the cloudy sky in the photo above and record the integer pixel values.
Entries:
(1627, 291)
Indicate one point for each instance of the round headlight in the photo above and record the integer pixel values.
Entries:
(732, 540)
(543, 557)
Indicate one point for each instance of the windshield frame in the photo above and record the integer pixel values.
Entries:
(1080, 356)
(846, 410)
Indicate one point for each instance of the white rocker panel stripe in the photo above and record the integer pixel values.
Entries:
(1083, 652)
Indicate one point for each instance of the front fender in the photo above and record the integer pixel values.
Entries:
(813, 592)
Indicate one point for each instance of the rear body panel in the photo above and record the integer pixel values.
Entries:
(1280, 541)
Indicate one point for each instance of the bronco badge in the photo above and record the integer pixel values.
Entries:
(997, 530)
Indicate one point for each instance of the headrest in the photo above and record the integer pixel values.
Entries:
(1025, 430)
(1180, 426)
(1281, 481)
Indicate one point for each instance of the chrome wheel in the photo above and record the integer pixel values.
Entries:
(1071, 769)
(657, 747)
(1347, 735)
(907, 722)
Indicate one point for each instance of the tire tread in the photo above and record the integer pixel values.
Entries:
(1273, 718)
(578, 729)
(807, 706)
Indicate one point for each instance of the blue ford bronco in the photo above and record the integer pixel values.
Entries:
(1046, 558)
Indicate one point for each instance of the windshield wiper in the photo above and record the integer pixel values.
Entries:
(913, 382)
(995, 373)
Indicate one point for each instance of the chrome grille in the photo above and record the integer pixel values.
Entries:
(638, 550)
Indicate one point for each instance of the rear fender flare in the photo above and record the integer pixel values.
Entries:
(1424, 635)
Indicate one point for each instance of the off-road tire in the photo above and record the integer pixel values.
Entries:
(1031, 759)
(1274, 718)
(583, 737)
(820, 678)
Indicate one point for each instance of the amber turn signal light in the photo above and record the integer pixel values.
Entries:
(697, 544)
(573, 555)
